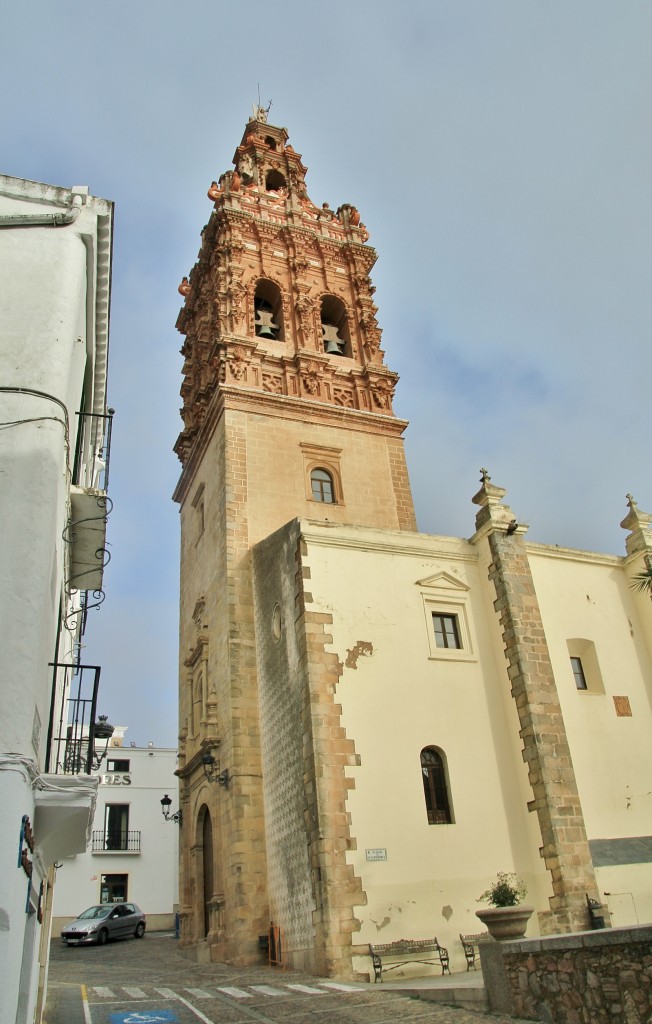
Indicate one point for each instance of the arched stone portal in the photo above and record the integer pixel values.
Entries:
(208, 871)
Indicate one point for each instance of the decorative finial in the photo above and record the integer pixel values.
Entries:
(638, 523)
(492, 511)
(488, 493)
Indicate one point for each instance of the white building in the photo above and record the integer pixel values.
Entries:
(55, 275)
(133, 851)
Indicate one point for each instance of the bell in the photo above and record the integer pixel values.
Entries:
(333, 347)
(333, 344)
(265, 326)
(264, 331)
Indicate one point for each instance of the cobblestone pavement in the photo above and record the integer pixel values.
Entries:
(149, 981)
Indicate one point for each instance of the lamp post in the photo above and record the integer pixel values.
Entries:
(102, 731)
(212, 770)
(166, 803)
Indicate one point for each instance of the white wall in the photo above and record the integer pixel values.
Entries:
(404, 696)
(399, 696)
(153, 872)
(49, 328)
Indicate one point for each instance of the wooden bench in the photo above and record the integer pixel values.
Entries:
(470, 946)
(409, 951)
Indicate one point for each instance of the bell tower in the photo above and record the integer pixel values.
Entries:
(287, 412)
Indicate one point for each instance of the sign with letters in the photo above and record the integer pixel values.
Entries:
(378, 854)
(115, 779)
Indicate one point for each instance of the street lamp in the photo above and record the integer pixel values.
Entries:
(102, 731)
(212, 770)
(166, 803)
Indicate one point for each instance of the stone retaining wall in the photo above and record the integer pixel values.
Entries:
(597, 977)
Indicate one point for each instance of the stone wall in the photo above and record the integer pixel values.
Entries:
(598, 977)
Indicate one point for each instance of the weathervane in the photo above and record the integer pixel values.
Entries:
(259, 112)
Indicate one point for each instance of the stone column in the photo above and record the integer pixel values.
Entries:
(556, 801)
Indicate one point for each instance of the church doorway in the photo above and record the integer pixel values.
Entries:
(208, 870)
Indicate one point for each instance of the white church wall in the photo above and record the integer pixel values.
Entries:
(587, 597)
(399, 696)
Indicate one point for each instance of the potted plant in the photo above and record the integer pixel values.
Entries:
(507, 916)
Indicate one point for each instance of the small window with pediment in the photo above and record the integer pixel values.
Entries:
(447, 631)
(335, 327)
(447, 617)
(322, 473)
(268, 311)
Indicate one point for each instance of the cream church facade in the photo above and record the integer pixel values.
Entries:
(374, 721)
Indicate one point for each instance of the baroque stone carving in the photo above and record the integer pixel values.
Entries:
(238, 362)
(382, 392)
(273, 383)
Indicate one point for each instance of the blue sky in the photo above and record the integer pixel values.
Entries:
(500, 153)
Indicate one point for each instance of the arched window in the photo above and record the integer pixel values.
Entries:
(435, 787)
(268, 311)
(321, 483)
(335, 327)
(274, 181)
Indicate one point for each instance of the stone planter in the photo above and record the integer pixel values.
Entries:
(506, 922)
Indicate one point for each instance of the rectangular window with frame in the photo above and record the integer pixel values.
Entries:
(116, 826)
(447, 632)
(117, 764)
(578, 673)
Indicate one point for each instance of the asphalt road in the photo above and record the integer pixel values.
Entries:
(148, 981)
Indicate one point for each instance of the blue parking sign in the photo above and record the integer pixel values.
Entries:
(144, 1017)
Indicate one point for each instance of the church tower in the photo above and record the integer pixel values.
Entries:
(287, 412)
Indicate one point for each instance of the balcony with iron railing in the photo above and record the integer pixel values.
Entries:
(77, 740)
(93, 451)
(119, 841)
(89, 503)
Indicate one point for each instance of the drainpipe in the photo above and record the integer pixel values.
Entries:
(40, 220)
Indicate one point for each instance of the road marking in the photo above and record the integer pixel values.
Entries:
(135, 993)
(103, 993)
(235, 993)
(197, 1013)
(198, 993)
(167, 993)
(340, 988)
(308, 989)
(151, 1017)
(267, 990)
(87, 1012)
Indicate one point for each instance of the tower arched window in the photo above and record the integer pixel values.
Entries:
(268, 311)
(435, 787)
(335, 327)
(321, 483)
(275, 181)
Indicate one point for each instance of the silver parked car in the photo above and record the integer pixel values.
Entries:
(105, 921)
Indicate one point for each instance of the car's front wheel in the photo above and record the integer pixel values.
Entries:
(102, 936)
(140, 930)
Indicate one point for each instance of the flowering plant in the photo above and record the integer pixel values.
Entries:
(506, 891)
